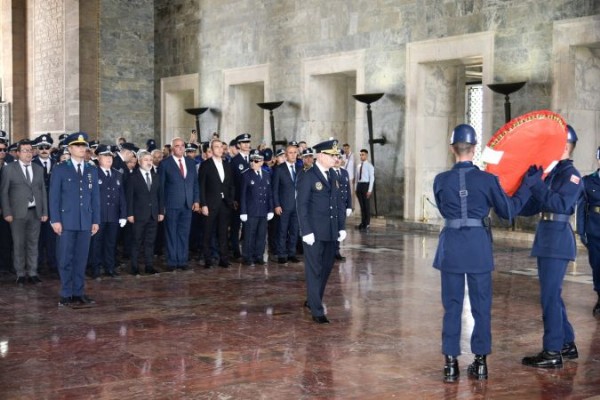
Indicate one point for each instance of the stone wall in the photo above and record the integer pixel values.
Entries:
(226, 34)
(127, 70)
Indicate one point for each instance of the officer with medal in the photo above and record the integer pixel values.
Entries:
(322, 218)
(74, 205)
(588, 225)
(554, 246)
(464, 196)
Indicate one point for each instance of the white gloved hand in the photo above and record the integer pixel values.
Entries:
(122, 222)
(341, 236)
(348, 212)
(309, 239)
(244, 217)
(270, 216)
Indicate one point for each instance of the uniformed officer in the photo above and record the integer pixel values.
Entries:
(256, 208)
(464, 196)
(74, 205)
(344, 179)
(113, 214)
(308, 158)
(554, 246)
(588, 225)
(126, 152)
(239, 163)
(322, 219)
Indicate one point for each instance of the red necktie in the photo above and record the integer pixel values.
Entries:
(181, 168)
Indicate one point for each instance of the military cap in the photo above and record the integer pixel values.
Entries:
(77, 138)
(280, 152)
(104, 150)
(44, 140)
(233, 142)
(267, 154)
(463, 133)
(308, 152)
(189, 147)
(3, 137)
(244, 137)
(94, 144)
(571, 135)
(293, 143)
(129, 146)
(150, 144)
(12, 147)
(63, 136)
(328, 147)
(256, 155)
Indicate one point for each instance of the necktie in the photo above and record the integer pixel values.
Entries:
(259, 174)
(45, 171)
(148, 182)
(79, 170)
(360, 172)
(27, 176)
(293, 173)
(181, 169)
(108, 174)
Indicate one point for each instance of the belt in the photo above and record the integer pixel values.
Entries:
(595, 209)
(548, 216)
(363, 183)
(464, 223)
(31, 208)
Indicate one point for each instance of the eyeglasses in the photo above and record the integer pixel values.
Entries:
(44, 147)
(3, 150)
(26, 151)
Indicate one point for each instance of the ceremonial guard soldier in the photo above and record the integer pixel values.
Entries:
(464, 196)
(239, 164)
(256, 208)
(74, 205)
(588, 226)
(322, 218)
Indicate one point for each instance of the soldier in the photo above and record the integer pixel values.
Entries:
(554, 246)
(344, 180)
(239, 163)
(308, 158)
(74, 204)
(464, 196)
(256, 208)
(588, 226)
(322, 220)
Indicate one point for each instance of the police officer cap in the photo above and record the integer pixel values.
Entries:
(463, 133)
(77, 138)
(244, 137)
(293, 143)
(191, 147)
(571, 135)
(267, 154)
(256, 155)
(114, 148)
(63, 136)
(308, 152)
(104, 150)
(233, 142)
(94, 144)
(150, 144)
(130, 147)
(3, 137)
(12, 147)
(44, 140)
(327, 147)
(280, 152)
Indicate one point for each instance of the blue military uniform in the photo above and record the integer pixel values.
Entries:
(238, 165)
(344, 179)
(74, 202)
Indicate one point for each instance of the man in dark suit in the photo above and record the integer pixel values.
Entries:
(74, 204)
(322, 217)
(217, 193)
(47, 241)
(145, 209)
(179, 189)
(284, 200)
(6, 241)
(126, 151)
(24, 205)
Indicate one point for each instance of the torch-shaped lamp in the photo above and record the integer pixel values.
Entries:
(271, 105)
(506, 89)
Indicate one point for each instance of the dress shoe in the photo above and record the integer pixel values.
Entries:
(294, 259)
(151, 271)
(478, 368)
(545, 359)
(35, 279)
(321, 319)
(306, 304)
(208, 264)
(359, 226)
(21, 280)
(451, 371)
(64, 302)
(82, 300)
(182, 267)
(340, 257)
(248, 263)
(596, 311)
(282, 260)
(259, 262)
(569, 351)
(224, 264)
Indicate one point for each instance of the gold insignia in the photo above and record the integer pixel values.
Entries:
(80, 137)
(319, 186)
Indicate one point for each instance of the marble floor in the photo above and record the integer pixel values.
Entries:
(242, 333)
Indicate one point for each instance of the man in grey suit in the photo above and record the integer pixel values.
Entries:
(24, 206)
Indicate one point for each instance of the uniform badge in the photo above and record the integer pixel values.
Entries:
(252, 182)
(241, 167)
(575, 179)
(319, 186)
(118, 183)
(99, 181)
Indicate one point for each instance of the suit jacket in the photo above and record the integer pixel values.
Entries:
(46, 176)
(212, 190)
(76, 206)
(284, 188)
(15, 191)
(119, 164)
(112, 196)
(144, 204)
(344, 179)
(176, 191)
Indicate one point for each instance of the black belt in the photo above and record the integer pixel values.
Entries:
(31, 208)
(548, 216)
(464, 223)
(363, 183)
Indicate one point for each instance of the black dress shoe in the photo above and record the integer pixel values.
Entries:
(64, 302)
(35, 279)
(545, 359)
(208, 264)
(478, 368)
(259, 262)
(596, 310)
(294, 259)
(21, 280)
(340, 257)
(569, 351)
(224, 264)
(182, 267)
(151, 271)
(306, 304)
(321, 319)
(451, 371)
(82, 300)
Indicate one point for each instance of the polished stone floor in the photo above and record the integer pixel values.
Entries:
(242, 333)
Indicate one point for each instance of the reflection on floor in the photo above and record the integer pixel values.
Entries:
(242, 333)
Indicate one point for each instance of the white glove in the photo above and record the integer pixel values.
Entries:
(309, 239)
(244, 217)
(270, 216)
(342, 236)
(122, 222)
(348, 212)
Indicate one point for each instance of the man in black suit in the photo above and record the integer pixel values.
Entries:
(217, 193)
(145, 209)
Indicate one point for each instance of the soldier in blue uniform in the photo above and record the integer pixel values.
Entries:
(322, 218)
(74, 204)
(256, 208)
(344, 179)
(239, 164)
(113, 214)
(464, 196)
(588, 225)
(554, 246)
